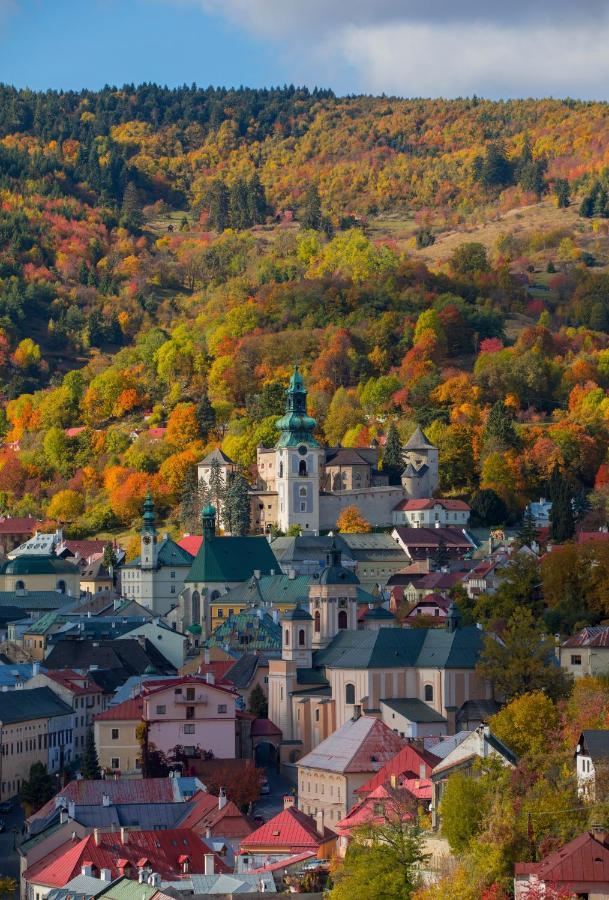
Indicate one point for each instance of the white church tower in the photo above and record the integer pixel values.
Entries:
(298, 463)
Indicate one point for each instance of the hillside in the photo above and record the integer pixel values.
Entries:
(167, 256)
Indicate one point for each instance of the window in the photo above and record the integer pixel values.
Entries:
(173, 589)
(303, 506)
(302, 492)
(172, 574)
(222, 707)
(220, 613)
(286, 639)
(302, 467)
(429, 693)
(317, 621)
(317, 715)
(190, 693)
(190, 712)
(115, 734)
(349, 693)
(19, 585)
(342, 620)
(576, 660)
(195, 602)
(301, 637)
(161, 710)
(189, 729)
(115, 762)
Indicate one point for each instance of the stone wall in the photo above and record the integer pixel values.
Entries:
(375, 504)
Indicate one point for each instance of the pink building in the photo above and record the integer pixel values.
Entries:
(193, 712)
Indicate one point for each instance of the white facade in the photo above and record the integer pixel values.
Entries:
(437, 514)
(171, 643)
(61, 742)
(298, 486)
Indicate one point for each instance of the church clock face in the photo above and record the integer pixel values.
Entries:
(302, 450)
(147, 538)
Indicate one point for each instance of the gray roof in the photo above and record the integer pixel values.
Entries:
(217, 455)
(145, 816)
(34, 599)
(79, 888)
(445, 745)
(403, 647)
(239, 883)
(414, 710)
(596, 742)
(418, 440)
(411, 472)
(169, 554)
(244, 670)
(33, 703)
(478, 710)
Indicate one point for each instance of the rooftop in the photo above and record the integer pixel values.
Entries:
(579, 866)
(414, 710)
(591, 636)
(360, 745)
(410, 761)
(290, 829)
(33, 703)
(228, 559)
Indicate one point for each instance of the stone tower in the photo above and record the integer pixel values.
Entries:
(298, 463)
(420, 477)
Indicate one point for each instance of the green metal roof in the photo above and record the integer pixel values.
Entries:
(296, 426)
(38, 565)
(271, 589)
(403, 647)
(226, 559)
(414, 710)
(168, 554)
(128, 889)
(297, 614)
(42, 625)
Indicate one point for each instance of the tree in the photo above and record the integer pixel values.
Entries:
(522, 661)
(488, 508)
(528, 726)
(216, 489)
(562, 193)
(494, 170)
(239, 209)
(528, 533)
(562, 518)
(66, 506)
(351, 521)
(131, 209)
(258, 703)
(441, 556)
(89, 763)
(469, 259)
(393, 456)
(237, 505)
(256, 200)
(462, 810)
(219, 206)
(206, 416)
(242, 785)
(499, 429)
(38, 789)
(310, 215)
(383, 861)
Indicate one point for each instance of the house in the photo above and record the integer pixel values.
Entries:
(412, 718)
(221, 564)
(95, 576)
(540, 510)
(411, 763)
(592, 761)
(40, 573)
(125, 657)
(250, 631)
(156, 577)
(35, 727)
(474, 713)
(80, 692)
(383, 804)
(414, 588)
(480, 744)
(167, 854)
(275, 591)
(217, 819)
(431, 513)
(418, 543)
(116, 737)
(329, 775)
(224, 467)
(580, 868)
(435, 606)
(587, 652)
(15, 531)
(484, 578)
(288, 833)
(171, 643)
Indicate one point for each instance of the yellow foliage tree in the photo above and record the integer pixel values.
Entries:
(351, 521)
(66, 506)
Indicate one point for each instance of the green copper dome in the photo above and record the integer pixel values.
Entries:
(208, 511)
(296, 426)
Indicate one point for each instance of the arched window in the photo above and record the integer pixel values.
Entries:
(301, 637)
(342, 619)
(302, 467)
(286, 639)
(196, 607)
(349, 693)
(20, 585)
(429, 693)
(317, 621)
(302, 492)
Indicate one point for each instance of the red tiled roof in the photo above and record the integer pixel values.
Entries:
(407, 762)
(265, 727)
(431, 537)
(127, 711)
(218, 668)
(85, 548)
(412, 505)
(225, 822)
(363, 813)
(163, 848)
(579, 866)
(73, 681)
(291, 829)
(18, 525)
(591, 636)
(191, 543)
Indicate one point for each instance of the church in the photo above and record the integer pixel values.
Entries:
(300, 482)
(330, 670)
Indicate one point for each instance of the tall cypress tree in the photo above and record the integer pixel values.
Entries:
(310, 216)
(528, 532)
(562, 518)
(393, 455)
(499, 426)
(89, 764)
(216, 491)
(218, 206)
(237, 506)
(256, 201)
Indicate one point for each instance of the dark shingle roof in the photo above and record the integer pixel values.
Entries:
(223, 559)
(36, 703)
(418, 441)
(243, 670)
(413, 709)
(596, 742)
(128, 656)
(168, 554)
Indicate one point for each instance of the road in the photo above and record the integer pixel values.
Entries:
(270, 804)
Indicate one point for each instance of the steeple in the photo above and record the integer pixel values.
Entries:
(296, 426)
(453, 618)
(148, 544)
(208, 517)
(148, 515)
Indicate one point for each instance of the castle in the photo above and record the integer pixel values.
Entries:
(300, 482)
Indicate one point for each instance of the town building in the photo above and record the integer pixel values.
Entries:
(412, 719)
(329, 775)
(540, 510)
(268, 592)
(592, 762)
(422, 542)
(117, 740)
(125, 657)
(15, 531)
(578, 869)
(78, 691)
(433, 606)
(587, 652)
(33, 573)
(156, 577)
(431, 513)
(291, 832)
(36, 727)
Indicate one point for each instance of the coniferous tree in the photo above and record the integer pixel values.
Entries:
(499, 426)
(562, 517)
(219, 218)
(258, 703)
(216, 489)
(205, 415)
(192, 501)
(441, 556)
(131, 209)
(562, 192)
(89, 763)
(237, 505)
(39, 788)
(239, 205)
(310, 216)
(256, 201)
(393, 455)
(528, 532)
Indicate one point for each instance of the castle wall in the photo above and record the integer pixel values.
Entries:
(375, 504)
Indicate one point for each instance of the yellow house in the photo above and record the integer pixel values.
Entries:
(95, 578)
(115, 730)
(40, 573)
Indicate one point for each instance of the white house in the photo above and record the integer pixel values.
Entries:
(431, 513)
(412, 718)
(592, 752)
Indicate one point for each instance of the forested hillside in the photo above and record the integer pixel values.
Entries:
(167, 256)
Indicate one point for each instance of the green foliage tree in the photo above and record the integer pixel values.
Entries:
(562, 517)
(527, 533)
(499, 429)
(131, 209)
(528, 726)
(393, 455)
(310, 214)
(494, 170)
(258, 703)
(89, 763)
(462, 810)
(522, 661)
(219, 206)
(39, 787)
(488, 508)
(562, 193)
(469, 259)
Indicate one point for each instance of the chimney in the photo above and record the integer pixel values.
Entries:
(106, 875)
(422, 770)
(394, 781)
(106, 800)
(209, 864)
(71, 809)
(257, 574)
(35, 669)
(124, 835)
(96, 836)
(206, 656)
(319, 822)
(210, 678)
(63, 816)
(222, 799)
(289, 800)
(599, 833)
(292, 574)
(357, 712)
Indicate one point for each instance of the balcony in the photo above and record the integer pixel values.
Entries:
(191, 699)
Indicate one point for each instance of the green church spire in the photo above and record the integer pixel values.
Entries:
(296, 426)
(148, 514)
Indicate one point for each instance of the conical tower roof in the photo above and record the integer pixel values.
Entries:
(418, 441)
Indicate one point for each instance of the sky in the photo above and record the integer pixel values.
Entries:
(410, 48)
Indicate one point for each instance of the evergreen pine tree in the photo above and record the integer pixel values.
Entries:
(191, 501)
(131, 209)
(441, 557)
(205, 415)
(237, 505)
(393, 455)
(216, 490)
(89, 763)
(527, 533)
(218, 206)
(562, 518)
(601, 202)
(239, 205)
(562, 192)
(499, 426)
(258, 703)
(310, 216)
(256, 201)
(38, 789)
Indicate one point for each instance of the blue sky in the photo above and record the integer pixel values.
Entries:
(405, 47)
